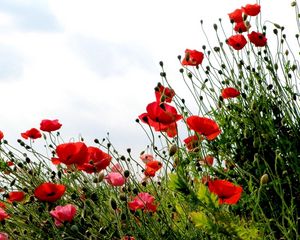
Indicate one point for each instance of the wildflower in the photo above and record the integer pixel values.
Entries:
(236, 16)
(3, 214)
(117, 168)
(32, 133)
(16, 196)
(227, 192)
(1, 135)
(230, 92)
(207, 160)
(96, 161)
(192, 142)
(63, 214)
(162, 117)
(152, 167)
(164, 94)
(242, 27)
(2, 205)
(204, 126)
(237, 41)
(50, 125)
(146, 157)
(3, 236)
(251, 9)
(49, 192)
(72, 153)
(258, 39)
(192, 58)
(143, 201)
(125, 238)
(115, 179)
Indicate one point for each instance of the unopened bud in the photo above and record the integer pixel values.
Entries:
(173, 150)
(101, 176)
(74, 228)
(264, 179)
(113, 204)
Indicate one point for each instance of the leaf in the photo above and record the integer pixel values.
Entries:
(200, 219)
(205, 196)
(178, 183)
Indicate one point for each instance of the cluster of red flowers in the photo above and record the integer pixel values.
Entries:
(239, 17)
(46, 126)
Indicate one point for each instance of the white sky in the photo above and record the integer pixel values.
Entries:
(93, 64)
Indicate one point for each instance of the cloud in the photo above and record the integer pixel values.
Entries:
(110, 58)
(11, 63)
(30, 15)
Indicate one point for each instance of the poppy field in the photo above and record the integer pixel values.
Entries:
(223, 163)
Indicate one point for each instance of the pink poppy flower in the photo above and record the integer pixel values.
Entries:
(63, 214)
(3, 214)
(146, 158)
(143, 201)
(3, 236)
(115, 179)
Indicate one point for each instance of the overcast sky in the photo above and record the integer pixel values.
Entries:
(93, 64)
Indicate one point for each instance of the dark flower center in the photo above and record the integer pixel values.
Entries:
(50, 194)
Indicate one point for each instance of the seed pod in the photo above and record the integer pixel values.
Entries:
(264, 179)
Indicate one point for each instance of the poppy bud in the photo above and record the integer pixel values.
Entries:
(113, 204)
(293, 4)
(74, 228)
(126, 173)
(123, 197)
(173, 150)
(216, 27)
(264, 179)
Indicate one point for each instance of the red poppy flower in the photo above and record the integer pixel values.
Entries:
(128, 238)
(2, 205)
(236, 16)
(237, 41)
(258, 39)
(32, 133)
(97, 161)
(152, 167)
(50, 125)
(63, 214)
(16, 196)
(192, 58)
(161, 117)
(72, 153)
(230, 92)
(242, 27)
(3, 214)
(1, 135)
(207, 160)
(49, 192)
(163, 94)
(251, 9)
(204, 126)
(143, 201)
(192, 142)
(227, 192)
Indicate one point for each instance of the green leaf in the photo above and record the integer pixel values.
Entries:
(205, 196)
(200, 219)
